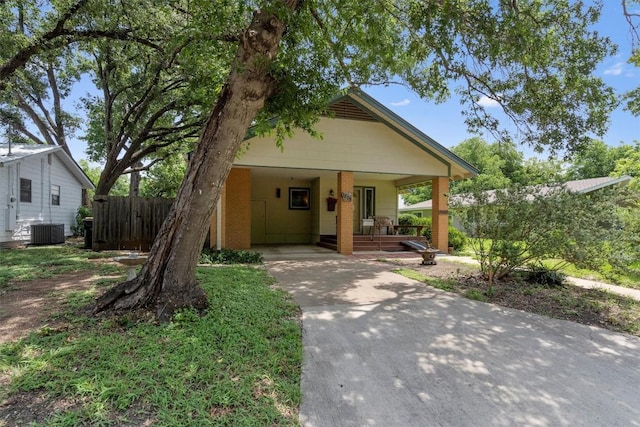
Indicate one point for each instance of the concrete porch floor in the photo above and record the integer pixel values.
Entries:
(295, 252)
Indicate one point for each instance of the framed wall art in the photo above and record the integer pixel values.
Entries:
(299, 198)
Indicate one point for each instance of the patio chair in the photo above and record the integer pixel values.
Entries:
(380, 222)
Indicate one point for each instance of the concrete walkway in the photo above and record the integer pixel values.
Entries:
(384, 350)
(592, 284)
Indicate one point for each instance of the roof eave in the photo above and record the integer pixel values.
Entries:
(389, 115)
(624, 179)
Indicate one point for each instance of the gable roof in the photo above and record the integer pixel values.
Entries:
(357, 104)
(580, 186)
(17, 152)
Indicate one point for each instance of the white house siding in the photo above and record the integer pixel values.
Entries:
(43, 170)
(7, 190)
(70, 196)
(36, 169)
(349, 145)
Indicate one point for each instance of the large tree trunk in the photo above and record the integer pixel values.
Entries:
(168, 281)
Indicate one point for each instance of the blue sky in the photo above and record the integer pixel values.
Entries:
(445, 124)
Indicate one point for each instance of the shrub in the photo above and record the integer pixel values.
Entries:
(624, 251)
(518, 226)
(229, 256)
(82, 213)
(409, 219)
(457, 238)
(540, 274)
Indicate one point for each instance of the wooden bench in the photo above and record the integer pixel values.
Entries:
(417, 227)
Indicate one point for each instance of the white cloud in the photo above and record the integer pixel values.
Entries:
(615, 70)
(487, 102)
(402, 103)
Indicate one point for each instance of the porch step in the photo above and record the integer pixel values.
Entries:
(329, 242)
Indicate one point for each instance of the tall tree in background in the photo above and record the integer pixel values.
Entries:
(535, 171)
(164, 178)
(31, 109)
(120, 188)
(489, 162)
(28, 31)
(41, 59)
(151, 103)
(535, 58)
(499, 165)
(629, 164)
(145, 111)
(596, 159)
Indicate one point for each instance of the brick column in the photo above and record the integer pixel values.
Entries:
(440, 213)
(237, 210)
(345, 213)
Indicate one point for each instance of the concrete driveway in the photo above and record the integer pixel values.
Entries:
(383, 350)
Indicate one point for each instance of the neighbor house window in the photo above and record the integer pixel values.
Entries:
(25, 190)
(55, 195)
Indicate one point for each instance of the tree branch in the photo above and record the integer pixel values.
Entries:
(60, 36)
(630, 16)
(343, 66)
(37, 120)
(39, 44)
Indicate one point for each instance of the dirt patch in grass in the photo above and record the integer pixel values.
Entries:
(30, 306)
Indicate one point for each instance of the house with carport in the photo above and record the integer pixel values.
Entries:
(329, 189)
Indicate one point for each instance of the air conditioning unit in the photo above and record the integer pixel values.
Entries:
(47, 234)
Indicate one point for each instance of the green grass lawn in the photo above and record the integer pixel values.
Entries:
(238, 364)
(39, 262)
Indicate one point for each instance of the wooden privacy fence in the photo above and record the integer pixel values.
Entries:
(127, 222)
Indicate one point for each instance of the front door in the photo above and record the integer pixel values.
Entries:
(364, 206)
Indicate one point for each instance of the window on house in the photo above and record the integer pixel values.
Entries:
(369, 202)
(55, 195)
(25, 190)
